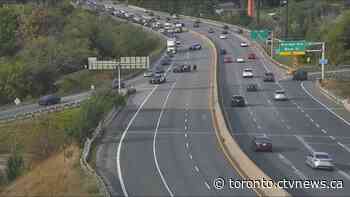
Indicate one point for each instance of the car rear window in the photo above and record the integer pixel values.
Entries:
(322, 156)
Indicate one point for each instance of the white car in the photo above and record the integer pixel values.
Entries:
(222, 36)
(247, 73)
(280, 95)
(240, 60)
(320, 160)
(148, 74)
(161, 30)
(244, 44)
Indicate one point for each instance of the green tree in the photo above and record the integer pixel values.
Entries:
(8, 31)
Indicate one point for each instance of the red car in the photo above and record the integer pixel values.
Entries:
(228, 60)
(251, 56)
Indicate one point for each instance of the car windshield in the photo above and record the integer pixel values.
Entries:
(322, 156)
(280, 92)
(248, 70)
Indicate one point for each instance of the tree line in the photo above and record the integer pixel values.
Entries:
(39, 44)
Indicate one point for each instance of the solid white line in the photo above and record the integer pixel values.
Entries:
(333, 138)
(308, 147)
(155, 138)
(190, 156)
(344, 146)
(186, 120)
(187, 145)
(325, 106)
(317, 125)
(344, 174)
(186, 135)
(207, 185)
(185, 127)
(196, 168)
(307, 115)
(290, 164)
(120, 176)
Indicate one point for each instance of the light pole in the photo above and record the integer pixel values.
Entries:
(285, 3)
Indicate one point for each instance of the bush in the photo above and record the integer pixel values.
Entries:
(15, 165)
(92, 112)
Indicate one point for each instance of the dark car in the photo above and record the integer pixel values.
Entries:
(195, 25)
(269, 77)
(222, 51)
(262, 143)
(225, 27)
(224, 32)
(210, 30)
(165, 62)
(237, 101)
(300, 75)
(157, 79)
(115, 84)
(49, 100)
(195, 47)
(252, 87)
(182, 68)
(159, 70)
(252, 56)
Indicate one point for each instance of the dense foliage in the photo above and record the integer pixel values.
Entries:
(39, 44)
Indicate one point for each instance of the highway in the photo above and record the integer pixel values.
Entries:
(163, 143)
(297, 127)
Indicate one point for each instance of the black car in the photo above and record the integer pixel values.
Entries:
(49, 100)
(224, 32)
(237, 101)
(300, 75)
(262, 143)
(159, 70)
(210, 30)
(225, 27)
(252, 87)
(195, 47)
(182, 68)
(269, 77)
(115, 84)
(157, 79)
(223, 51)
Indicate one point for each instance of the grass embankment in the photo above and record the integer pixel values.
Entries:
(60, 175)
(50, 169)
(42, 143)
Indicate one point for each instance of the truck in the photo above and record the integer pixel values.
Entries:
(171, 45)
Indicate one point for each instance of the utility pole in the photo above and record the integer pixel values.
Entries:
(258, 13)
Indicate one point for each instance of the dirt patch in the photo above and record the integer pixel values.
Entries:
(59, 175)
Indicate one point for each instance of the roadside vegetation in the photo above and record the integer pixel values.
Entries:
(44, 49)
(40, 44)
(28, 149)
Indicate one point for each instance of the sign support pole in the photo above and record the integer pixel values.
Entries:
(272, 44)
(323, 57)
(119, 82)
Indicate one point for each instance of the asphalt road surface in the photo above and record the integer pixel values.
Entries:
(305, 123)
(163, 143)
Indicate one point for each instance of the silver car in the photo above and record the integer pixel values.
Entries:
(280, 95)
(320, 160)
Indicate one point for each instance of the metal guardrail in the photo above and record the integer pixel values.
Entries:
(87, 149)
(46, 110)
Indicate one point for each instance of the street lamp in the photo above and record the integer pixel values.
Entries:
(285, 3)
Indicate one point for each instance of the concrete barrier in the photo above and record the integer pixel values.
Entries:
(237, 158)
